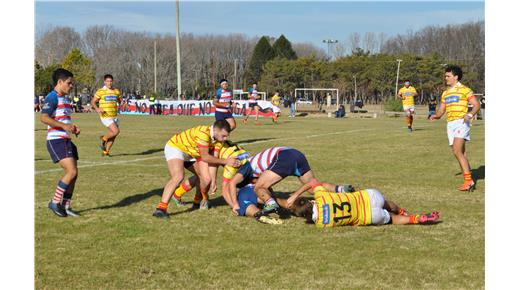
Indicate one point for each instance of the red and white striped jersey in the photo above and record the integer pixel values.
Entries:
(224, 96)
(60, 109)
(263, 160)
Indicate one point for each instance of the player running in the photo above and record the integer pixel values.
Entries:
(193, 144)
(56, 114)
(270, 167)
(454, 101)
(407, 95)
(360, 208)
(108, 98)
(275, 101)
(223, 102)
(253, 103)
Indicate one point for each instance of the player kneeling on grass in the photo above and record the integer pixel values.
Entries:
(270, 167)
(364, 207)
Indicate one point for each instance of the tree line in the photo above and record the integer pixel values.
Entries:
(366, 71)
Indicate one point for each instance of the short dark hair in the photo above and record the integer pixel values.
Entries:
(61, 74)
(302, 207)
(108, 76)
(222, 80)
(455, 70)
(222, 124)
(406, 80)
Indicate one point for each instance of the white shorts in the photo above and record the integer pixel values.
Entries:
(458, 129)
(276, 109)
(411, 108)
(175, 153)
(109, 121)
(380, 216)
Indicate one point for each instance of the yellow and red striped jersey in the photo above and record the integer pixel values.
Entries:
(408, 94)
(108, 100)
(341, 209)
(189, 141)
(456, 100)
(226, 150)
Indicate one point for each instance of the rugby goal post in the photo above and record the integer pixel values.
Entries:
(331, 95)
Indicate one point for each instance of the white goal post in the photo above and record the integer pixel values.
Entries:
(241, 93)
(333, 91)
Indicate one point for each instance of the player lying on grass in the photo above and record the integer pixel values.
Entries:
(364, 207)
(270, 167)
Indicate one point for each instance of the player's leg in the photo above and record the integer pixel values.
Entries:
(113, 131)
(203, 171)
(69, 166)
(176, 169)
(257, 111)
(264, 182)
(394, 208)
(458, 148)
(185, 186)
(248, 206)
(411, 118)
(232, 123)
(67, 196)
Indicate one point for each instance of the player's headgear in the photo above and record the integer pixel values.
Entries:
(223, 81)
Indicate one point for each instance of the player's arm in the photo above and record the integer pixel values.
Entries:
(476, 107)
(440, 112)
(298, 193)
(400, 95)
(94, 105)
(208, 158)
(231, 189)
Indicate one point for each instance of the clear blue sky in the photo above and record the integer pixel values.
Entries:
(298, 21)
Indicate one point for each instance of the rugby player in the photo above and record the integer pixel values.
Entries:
(407, 95)
(223, 102)
(253, 103)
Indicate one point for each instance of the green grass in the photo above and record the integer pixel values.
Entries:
(117, 244)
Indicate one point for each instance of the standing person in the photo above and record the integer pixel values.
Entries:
(292, 105)
(432, 106)
(253, 103)
(56, 114)
(223, 102)
(157, 106)
(188, 146)
(275, 100)
(151, 104)
(482, 106)
(454, 102)
(108, 98)
(407, 94)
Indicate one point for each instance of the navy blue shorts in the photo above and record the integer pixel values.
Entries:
(253, 105)
(222, 116)
(246, 197)
(62, 148)
(290, 162)
(247, 171)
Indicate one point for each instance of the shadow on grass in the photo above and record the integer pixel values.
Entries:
(477, 174)
(147, 152)
(432, 223)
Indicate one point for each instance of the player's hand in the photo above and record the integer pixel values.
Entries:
(76, 130)
(235, 209)
(213, 189)
(467, 118)
(433, 117)
(233, 161)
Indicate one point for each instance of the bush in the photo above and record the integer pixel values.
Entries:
(394, 105)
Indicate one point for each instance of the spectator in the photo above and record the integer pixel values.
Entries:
(36, 103)
(292, 104)
(432, 105)
(340, 113)
(157, 106)
(151, 104)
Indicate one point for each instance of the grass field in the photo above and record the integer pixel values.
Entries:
(117, 244)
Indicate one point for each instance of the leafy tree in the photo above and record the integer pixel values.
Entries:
(43, 78)
(81, 67)
(262, 53)
(282, 48)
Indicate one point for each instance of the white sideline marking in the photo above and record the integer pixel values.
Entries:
(94, 164)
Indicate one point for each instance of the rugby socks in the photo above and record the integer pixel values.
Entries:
(271, 201)
(413, 219)
(340, 188)
(411, 121)
(467, 178)
(60, 190)
(162, 206)
(67, 199)
(181, 190)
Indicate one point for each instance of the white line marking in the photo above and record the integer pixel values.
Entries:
(94, 164)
